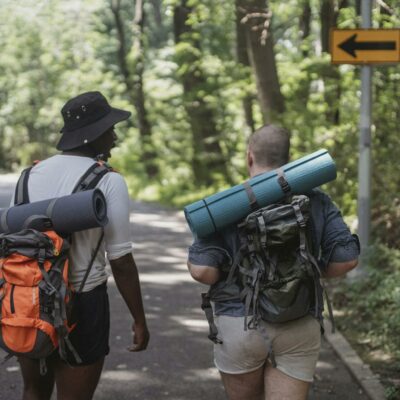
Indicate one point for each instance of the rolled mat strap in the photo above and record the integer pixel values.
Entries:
(50, 208)
(211, 217)
(252, 197)
(283, 182)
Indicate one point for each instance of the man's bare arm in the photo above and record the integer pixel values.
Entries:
(203, 273)
(127, 280)
(336, 269)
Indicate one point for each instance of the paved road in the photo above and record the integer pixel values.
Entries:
(178, 364)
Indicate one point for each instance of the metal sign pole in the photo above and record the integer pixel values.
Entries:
(364, 165)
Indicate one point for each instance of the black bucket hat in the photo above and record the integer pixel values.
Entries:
(86, 117)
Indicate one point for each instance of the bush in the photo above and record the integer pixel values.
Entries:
(369, 315)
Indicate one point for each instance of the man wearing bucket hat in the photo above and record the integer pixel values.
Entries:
(268, 360)
(88, 136)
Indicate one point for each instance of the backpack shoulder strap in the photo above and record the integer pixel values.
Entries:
(88, 181)
(89, 267)
(92, 176)
(21, 195)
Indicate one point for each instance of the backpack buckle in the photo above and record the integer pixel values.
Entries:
(284, 185)
(299, 216)
(47, 288)
(215, 339)
(41, 256)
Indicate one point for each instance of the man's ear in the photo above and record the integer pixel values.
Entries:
(250, 159)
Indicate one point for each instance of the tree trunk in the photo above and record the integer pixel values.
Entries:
(123, 65)
(207, 153)
(133, 78)
(260, 48)
(157, 11)
(305, 24)
(148, 154)
(160, 33)
(243, 59)
(329, 13)
(328, 17)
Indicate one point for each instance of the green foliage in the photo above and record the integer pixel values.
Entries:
(53, 50)
(49, 54)
(369, 313)
(386, 116)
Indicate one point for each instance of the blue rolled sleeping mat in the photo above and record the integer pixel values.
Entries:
(219, 210)
(68, 214)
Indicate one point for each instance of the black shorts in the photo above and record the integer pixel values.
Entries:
(90, 337)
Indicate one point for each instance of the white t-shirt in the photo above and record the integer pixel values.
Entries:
(56, 177)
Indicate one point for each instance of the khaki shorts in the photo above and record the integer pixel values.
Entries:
(295, 345)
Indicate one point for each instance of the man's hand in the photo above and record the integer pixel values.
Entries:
(141, 337)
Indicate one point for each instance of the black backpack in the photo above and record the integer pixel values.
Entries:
(277, 275)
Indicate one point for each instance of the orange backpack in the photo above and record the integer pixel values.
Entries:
(34, 289)
(34, 293)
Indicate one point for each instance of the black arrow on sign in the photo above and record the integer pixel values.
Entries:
(350, 45)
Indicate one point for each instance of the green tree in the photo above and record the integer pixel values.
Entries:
(256, 17)
(207, 152)
(132, 63)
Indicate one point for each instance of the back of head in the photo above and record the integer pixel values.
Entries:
(270, 146)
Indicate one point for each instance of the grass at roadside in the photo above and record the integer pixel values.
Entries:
(368, 315)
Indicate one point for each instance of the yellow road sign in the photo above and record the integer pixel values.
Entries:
(365, 46)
